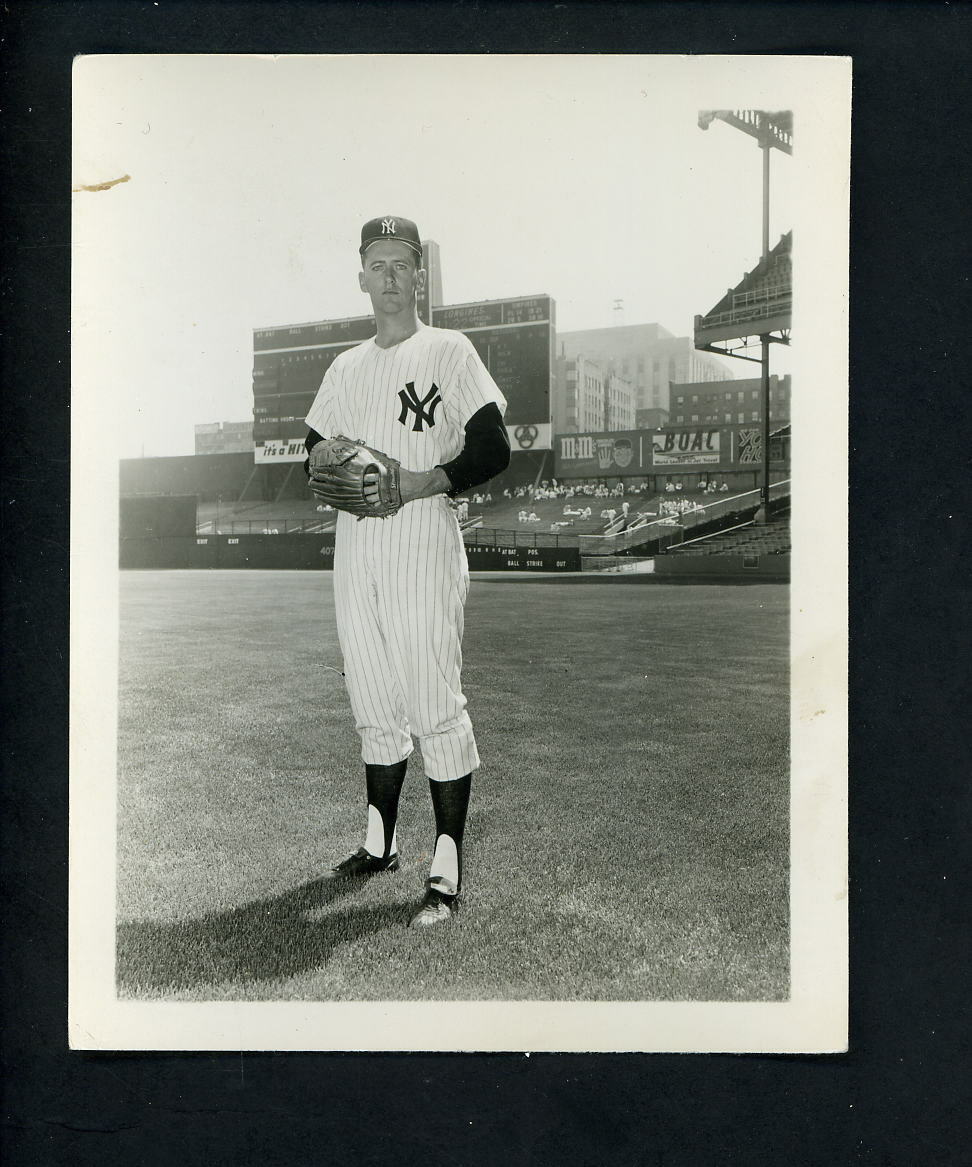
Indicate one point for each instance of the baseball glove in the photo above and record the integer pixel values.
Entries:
(340, 471)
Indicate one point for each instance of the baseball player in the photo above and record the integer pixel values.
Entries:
(424, 420)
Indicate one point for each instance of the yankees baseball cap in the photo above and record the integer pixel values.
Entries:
(390, 227)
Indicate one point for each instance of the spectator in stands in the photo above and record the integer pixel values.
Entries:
(724, 487)
(678, 486)
(669, 486)
(506, 493)
(487, 497)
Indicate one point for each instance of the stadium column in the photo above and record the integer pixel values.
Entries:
(764, 373)
(765, 144)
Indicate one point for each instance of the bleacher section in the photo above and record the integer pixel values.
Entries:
(503, 515)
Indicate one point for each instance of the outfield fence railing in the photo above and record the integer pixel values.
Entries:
(265, 526)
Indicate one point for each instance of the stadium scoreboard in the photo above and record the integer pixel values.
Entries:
(514, 338)
(288, 366)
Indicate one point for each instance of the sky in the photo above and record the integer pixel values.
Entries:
(582, 177)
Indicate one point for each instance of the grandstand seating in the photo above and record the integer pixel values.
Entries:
(746, 539)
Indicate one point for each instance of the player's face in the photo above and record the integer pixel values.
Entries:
(391, 277)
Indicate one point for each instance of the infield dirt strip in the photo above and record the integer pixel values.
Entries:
(628, 831)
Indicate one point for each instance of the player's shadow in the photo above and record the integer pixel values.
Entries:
(269, 939)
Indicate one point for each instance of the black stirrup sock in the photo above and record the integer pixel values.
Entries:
(384, 785)
(450, 801)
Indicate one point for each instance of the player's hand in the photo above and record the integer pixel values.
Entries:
(413, 484)
(372, 490)
(423, 483)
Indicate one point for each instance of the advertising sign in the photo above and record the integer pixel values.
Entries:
(750, 446)
(529, 437)
(280, 450)
(600, 455)
(689, 448)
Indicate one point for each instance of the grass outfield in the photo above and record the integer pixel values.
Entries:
(628, 831)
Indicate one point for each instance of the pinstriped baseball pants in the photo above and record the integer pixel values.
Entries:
(399, 587)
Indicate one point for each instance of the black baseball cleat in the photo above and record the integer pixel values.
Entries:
(435, 908)
(362, 864)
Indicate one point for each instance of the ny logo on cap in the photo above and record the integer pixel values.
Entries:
(388, 226)
(423, 407)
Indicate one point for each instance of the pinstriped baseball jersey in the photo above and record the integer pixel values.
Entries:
(400, 583)
(411, 400)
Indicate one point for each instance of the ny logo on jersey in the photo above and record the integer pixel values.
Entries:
(423, 408)
(388, 226)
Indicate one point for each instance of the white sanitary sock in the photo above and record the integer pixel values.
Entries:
(375, 838)
(444, 872)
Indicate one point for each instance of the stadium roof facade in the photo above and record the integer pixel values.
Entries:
(761, 303)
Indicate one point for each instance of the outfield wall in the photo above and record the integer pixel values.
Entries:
(297, 552)
(301, 552)
(768, 567)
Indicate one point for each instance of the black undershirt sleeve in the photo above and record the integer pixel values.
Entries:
(313, 437)
(485, 454)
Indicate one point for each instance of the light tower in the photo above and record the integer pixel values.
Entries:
(760, 306)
